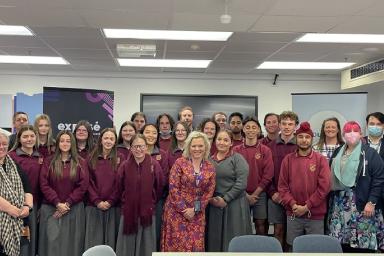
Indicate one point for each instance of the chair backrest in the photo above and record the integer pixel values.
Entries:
(100, 250)
(316, 243)
(254, 243)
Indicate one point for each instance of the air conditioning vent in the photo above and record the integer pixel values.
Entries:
(367, 69)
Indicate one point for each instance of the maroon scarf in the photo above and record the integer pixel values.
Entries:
(138, 196)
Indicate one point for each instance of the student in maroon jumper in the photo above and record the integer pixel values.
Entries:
(139, 119)
(84, 138)
(140, 186)
(151, 135)
(271, 124)
(259, 159)
(235, 122)
(210, 128)
(179, 135)
(221, 119)
(102, 213)
(165, 125)
(63, 181)
(304, 183)
(25, 154)
(127, 131)
(282, 146)
(45, 140)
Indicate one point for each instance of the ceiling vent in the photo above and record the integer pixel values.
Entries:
(136, 50)
(369, 73)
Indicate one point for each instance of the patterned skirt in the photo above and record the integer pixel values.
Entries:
(349, 225)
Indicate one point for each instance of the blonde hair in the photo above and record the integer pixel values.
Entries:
(196, 135)
(50, 139)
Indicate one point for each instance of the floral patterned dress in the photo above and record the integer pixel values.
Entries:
(178, 233)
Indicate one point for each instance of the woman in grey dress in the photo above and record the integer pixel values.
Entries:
(228, 213)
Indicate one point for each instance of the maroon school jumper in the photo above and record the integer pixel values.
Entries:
(46, 151)
(103, 181)
(237, 142)
(31, 165)
(161, 157)
(305, 180)
(165, 144)
(130, 165)
(173, 156)
(83, 153)
(122, 149)
(259, 159)
(65, 189)
(279, 151)
(266, 140)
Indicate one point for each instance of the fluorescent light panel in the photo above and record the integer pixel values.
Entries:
(341, 38)
(167, 34)
(33, 60)
(15, 30)
(169, 63)
(303, 65)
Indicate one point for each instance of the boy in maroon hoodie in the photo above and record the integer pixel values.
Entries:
(304, 183)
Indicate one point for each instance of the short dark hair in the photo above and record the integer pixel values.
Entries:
(18, 113)
(378, 115)
(235, 114)
(134, 115)
(271, 114)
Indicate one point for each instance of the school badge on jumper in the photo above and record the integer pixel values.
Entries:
(257, 155)
(158, 157)
(312, 167)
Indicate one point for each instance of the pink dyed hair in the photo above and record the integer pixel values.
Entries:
(351, 126)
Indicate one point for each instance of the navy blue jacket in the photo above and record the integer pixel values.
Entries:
(369, 178)
(381, 153)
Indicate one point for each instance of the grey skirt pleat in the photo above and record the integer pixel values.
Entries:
(143, 243)
(29, 249)
(63, 236)
(101, 226)
(225, 224)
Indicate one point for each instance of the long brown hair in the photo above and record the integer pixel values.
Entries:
(98, 150)
(24, 128)
(321, 142)
(50, 140)
(57, 164)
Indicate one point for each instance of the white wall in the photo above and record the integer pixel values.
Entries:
(127, 89)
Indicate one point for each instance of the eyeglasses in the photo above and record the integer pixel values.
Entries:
(4, 145)
(180, 131)
(139, 147)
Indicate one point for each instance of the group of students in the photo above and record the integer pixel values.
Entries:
(166, 187)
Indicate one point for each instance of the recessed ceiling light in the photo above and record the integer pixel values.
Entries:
(303, 65)
(164, 63)
(341, 38)
(167, 34)
(33, 60)
(15, 30)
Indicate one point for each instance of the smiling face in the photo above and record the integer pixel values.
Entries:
(180, 133)
(197, 149)
(251, 130)
(65, 143)
(81, 133)
(223, 142)
(186, 116)
(210, 130)
(139, 148)
(108, 140)
(221, 120)
(28, 139)
(272, 124)
(20, 120)
(304, 141)
(127, 133)
(150, 134)
(287, 127)
(330, 129)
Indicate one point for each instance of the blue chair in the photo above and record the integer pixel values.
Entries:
(254, 243)
(316, 243)
(100, 250)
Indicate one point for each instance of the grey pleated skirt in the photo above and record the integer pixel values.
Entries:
(225, 224)
(101, 226)
(63, 236)
(29, 249)
(143, 243)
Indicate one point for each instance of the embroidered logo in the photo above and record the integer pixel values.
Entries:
(257, 155)
(158, 157)
(312, 167)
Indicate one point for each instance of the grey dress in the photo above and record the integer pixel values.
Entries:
(234, 219)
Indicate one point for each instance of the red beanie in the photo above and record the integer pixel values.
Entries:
(305, 127)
